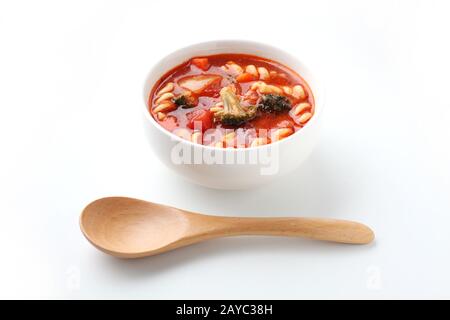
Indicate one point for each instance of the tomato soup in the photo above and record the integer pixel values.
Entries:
(231, 100)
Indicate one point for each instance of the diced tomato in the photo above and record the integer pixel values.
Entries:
(245, 77)
(201, 63)
(199, 83)
(200, 118)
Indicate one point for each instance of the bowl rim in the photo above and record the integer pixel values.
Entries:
(318, 91)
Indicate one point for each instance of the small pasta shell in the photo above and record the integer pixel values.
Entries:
(232, 68)
(164, 107)
(196, 137)
(237, 68)
(252, 70)
(255, 86)
(167, 88)
(258, 142)
(161, 116)
(164, 96)
(281, 133)
(264, 88)
(287, 90)
(304, 118)
(215, 109)
(270, 89)
(300, 108)
(298, 92)
(263, 73)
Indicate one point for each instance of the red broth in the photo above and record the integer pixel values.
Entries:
(199, 82)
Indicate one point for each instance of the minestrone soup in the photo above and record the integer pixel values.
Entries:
(231, 100)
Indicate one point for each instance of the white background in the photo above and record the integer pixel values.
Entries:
(71, 76)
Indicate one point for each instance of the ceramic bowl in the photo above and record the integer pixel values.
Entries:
(214, 167)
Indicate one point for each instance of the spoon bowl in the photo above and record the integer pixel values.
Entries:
(132, 228)
(126, 226)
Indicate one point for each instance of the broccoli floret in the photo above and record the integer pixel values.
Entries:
(180, 101)
(274, 103)
(185, 100)
(233, 113)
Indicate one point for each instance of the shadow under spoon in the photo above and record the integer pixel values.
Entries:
(132, 228)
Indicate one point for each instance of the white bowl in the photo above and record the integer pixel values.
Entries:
(274, 159)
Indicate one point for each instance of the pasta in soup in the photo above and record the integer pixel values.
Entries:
(231, 100)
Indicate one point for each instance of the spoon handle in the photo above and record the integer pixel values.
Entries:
(313, 228)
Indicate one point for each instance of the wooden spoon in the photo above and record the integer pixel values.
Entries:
(132, 228)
